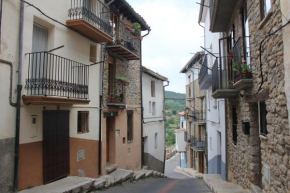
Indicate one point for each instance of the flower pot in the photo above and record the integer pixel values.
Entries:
(230, 54)
(126, 83)
(140, 38)
(119, 82)
(247, 75)
(128, 26)
(134, 33)
(113, 100)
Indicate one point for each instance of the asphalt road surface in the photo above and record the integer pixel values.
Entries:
(175, 182)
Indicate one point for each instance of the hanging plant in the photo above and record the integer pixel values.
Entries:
(137, 27)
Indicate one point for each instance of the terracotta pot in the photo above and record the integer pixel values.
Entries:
(126, 83)
(113, 100)
(134, 33)
(128, 26)
(140, 38)
(119, 82)
(230, 54)
(247, 75)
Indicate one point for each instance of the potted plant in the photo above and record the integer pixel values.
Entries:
(121, 80)
(126, 83)
(113, 98)
(246, 70)
(137, 29)
(120, 41)
(128, 26)
(140, 38)
(230, 54)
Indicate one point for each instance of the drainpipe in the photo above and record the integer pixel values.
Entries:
(142, 115)
(100, 110)
(226, 140)
(11, 81)
(19, 89)
(164, 117)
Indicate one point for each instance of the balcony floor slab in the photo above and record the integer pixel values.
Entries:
(124, 52)
(243, 84)
(225, 93)
(48, 100)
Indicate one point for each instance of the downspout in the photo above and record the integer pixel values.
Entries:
(11, 81)
(19, 89)
(100, 110)
(164, 118)
(226, 142)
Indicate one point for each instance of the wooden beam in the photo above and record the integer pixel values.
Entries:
(262, 96)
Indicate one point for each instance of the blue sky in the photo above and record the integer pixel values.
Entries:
(175, 34)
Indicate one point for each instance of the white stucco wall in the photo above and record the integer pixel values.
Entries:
(215, 110)
(9, 52)
(153, 123)
(180, 144)
(182, 120)
(77, 48)
(285, 8)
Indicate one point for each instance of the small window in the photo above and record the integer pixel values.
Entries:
(156, 140)
(152, 88)
(153, 108)
(235, 124)
(262, 118)
(265, 6)
(129, 126)
(83, 121)
(93, 53)
(150, 107)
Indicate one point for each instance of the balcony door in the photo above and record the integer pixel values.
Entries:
(38, 70)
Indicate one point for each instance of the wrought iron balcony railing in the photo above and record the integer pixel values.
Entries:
(200, 146)
(215, 77)
(203, 71)
(94, 12)
(198, 116)
(241, 59)
(52, 75)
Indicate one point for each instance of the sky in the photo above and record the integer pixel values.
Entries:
(175, 34)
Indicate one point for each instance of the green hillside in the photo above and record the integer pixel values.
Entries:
(174, 103)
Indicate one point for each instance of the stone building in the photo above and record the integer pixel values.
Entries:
(195, 116)
(122, 93)
(256, 105)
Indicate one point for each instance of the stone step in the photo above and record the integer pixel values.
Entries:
(110, 168)
(117, 176)
(256, 189)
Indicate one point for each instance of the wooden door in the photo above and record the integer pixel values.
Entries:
(55, 145)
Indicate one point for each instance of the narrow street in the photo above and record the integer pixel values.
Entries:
(176, 182)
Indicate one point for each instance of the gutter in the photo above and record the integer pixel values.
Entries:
(19, 89)
(11, 81)
(164, 117)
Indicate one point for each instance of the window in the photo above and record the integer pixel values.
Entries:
(152, 88)
(112, 72)
(150, 107)
(156, 140)
(153, 108)
(129, 126)
(83, 121)
(262, 118)
(246, 34)
(93, 53)
(235, 124)
(265, 6)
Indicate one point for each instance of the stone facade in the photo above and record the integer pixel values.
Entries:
(247, 158)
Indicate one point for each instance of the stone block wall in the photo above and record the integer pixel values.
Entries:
(244, 163)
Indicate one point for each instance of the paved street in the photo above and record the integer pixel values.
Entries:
(175, 182)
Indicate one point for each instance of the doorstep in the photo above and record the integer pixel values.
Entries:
(217, 185)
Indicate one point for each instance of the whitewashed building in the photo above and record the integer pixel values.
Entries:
(153, 119)
(180, 142)
(215, 108)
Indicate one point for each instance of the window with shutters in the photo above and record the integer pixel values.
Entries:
(83, 121)
(156, 140)
(130, 126)
(153, 108)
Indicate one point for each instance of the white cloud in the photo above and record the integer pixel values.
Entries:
(175, 34)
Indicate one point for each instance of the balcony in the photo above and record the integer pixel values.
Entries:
(220, 14)
(241, 74)
(199, 117)
(91, 19)
(55, 80)
(221, 87)
(204, 77)
(117, 98)
(127, 44)
(197, 145)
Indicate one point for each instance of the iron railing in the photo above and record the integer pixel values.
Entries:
(199, 116)
(203, 71)
(192, 141)
(200, 146)
(241, 46)
(128, 40)
(92, 11)
(52, 75)
(215, 77)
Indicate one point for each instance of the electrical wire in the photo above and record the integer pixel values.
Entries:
(260, 57)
